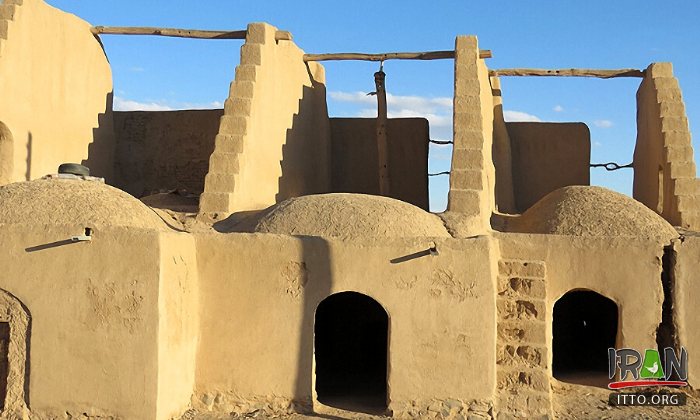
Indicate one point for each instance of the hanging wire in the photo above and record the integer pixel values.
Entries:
(441, 141)
(611, 166)
(440, 173)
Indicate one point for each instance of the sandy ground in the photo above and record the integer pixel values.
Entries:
(570, 402)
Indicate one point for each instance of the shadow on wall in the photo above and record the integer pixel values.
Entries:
(159, 151)
(6, 154)
(306, 152)
(100, 158)
(28, 173)
(316, 256)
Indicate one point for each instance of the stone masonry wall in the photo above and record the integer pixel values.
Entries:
(523, 379)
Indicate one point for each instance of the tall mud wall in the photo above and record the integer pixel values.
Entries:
(274, 137)
(55, 92)
(163, 150)
(354, 158)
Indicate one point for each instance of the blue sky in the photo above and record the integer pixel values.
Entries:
(167, 73)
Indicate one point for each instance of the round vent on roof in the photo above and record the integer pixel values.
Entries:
(73, 169)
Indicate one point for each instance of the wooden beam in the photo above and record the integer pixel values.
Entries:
(180, 33)
(603, 74)
(427, 55)
(382, 141)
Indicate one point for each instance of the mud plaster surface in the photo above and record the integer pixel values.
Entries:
(592, 211)
(348, 217)
(73, 202)
(570, 402)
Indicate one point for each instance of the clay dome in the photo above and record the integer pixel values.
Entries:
(593, 211)
(348, 216)
(73, 202)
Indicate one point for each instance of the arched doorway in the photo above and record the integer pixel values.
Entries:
(584, 327)
(350, 346)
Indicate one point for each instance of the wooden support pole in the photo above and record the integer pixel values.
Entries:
(382, 142)
(427, 55)
(180, 33)
(603, 74)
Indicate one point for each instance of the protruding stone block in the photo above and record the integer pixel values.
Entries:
(682, 170)
(226, 163)
(686, 186)
(243, 89)
(660, 70)
(252, 54)
(514, 268)
(238, 106)
(465, 201)
(522, 331)
(229, 143)
(677, 123)
(468, 159)
(215, 202)
(247, 73)
(468, 139)
(466, 179)
(509, 309)
(220, 182)
(234, 124)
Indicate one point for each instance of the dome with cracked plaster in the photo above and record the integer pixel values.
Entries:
(593, 211)
(347, 216)
(87, 203)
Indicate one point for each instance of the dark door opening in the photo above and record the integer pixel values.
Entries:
(4, 361)
(350, 335)
(585, 326)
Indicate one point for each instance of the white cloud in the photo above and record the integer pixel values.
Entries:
(122, 104)
(597, 144)
(437, 110)
(519, 116)
(603, 123)
(558, 108)
(420, 104)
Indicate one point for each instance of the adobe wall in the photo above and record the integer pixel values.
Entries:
(594, 264)
(274, 139)
(686, 293)
(93, 308)
(664, 167)
(542, 149)
(163, 150)
(471, 199)
(446, 350)
(354, 165)
(178, 325)
(55, 91)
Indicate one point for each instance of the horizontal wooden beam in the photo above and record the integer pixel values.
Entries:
(603, 74)
(180, 33)
(427, 55)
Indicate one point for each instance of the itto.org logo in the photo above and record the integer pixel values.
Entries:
(648, 370)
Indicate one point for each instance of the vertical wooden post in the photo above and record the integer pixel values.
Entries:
(382, 143)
